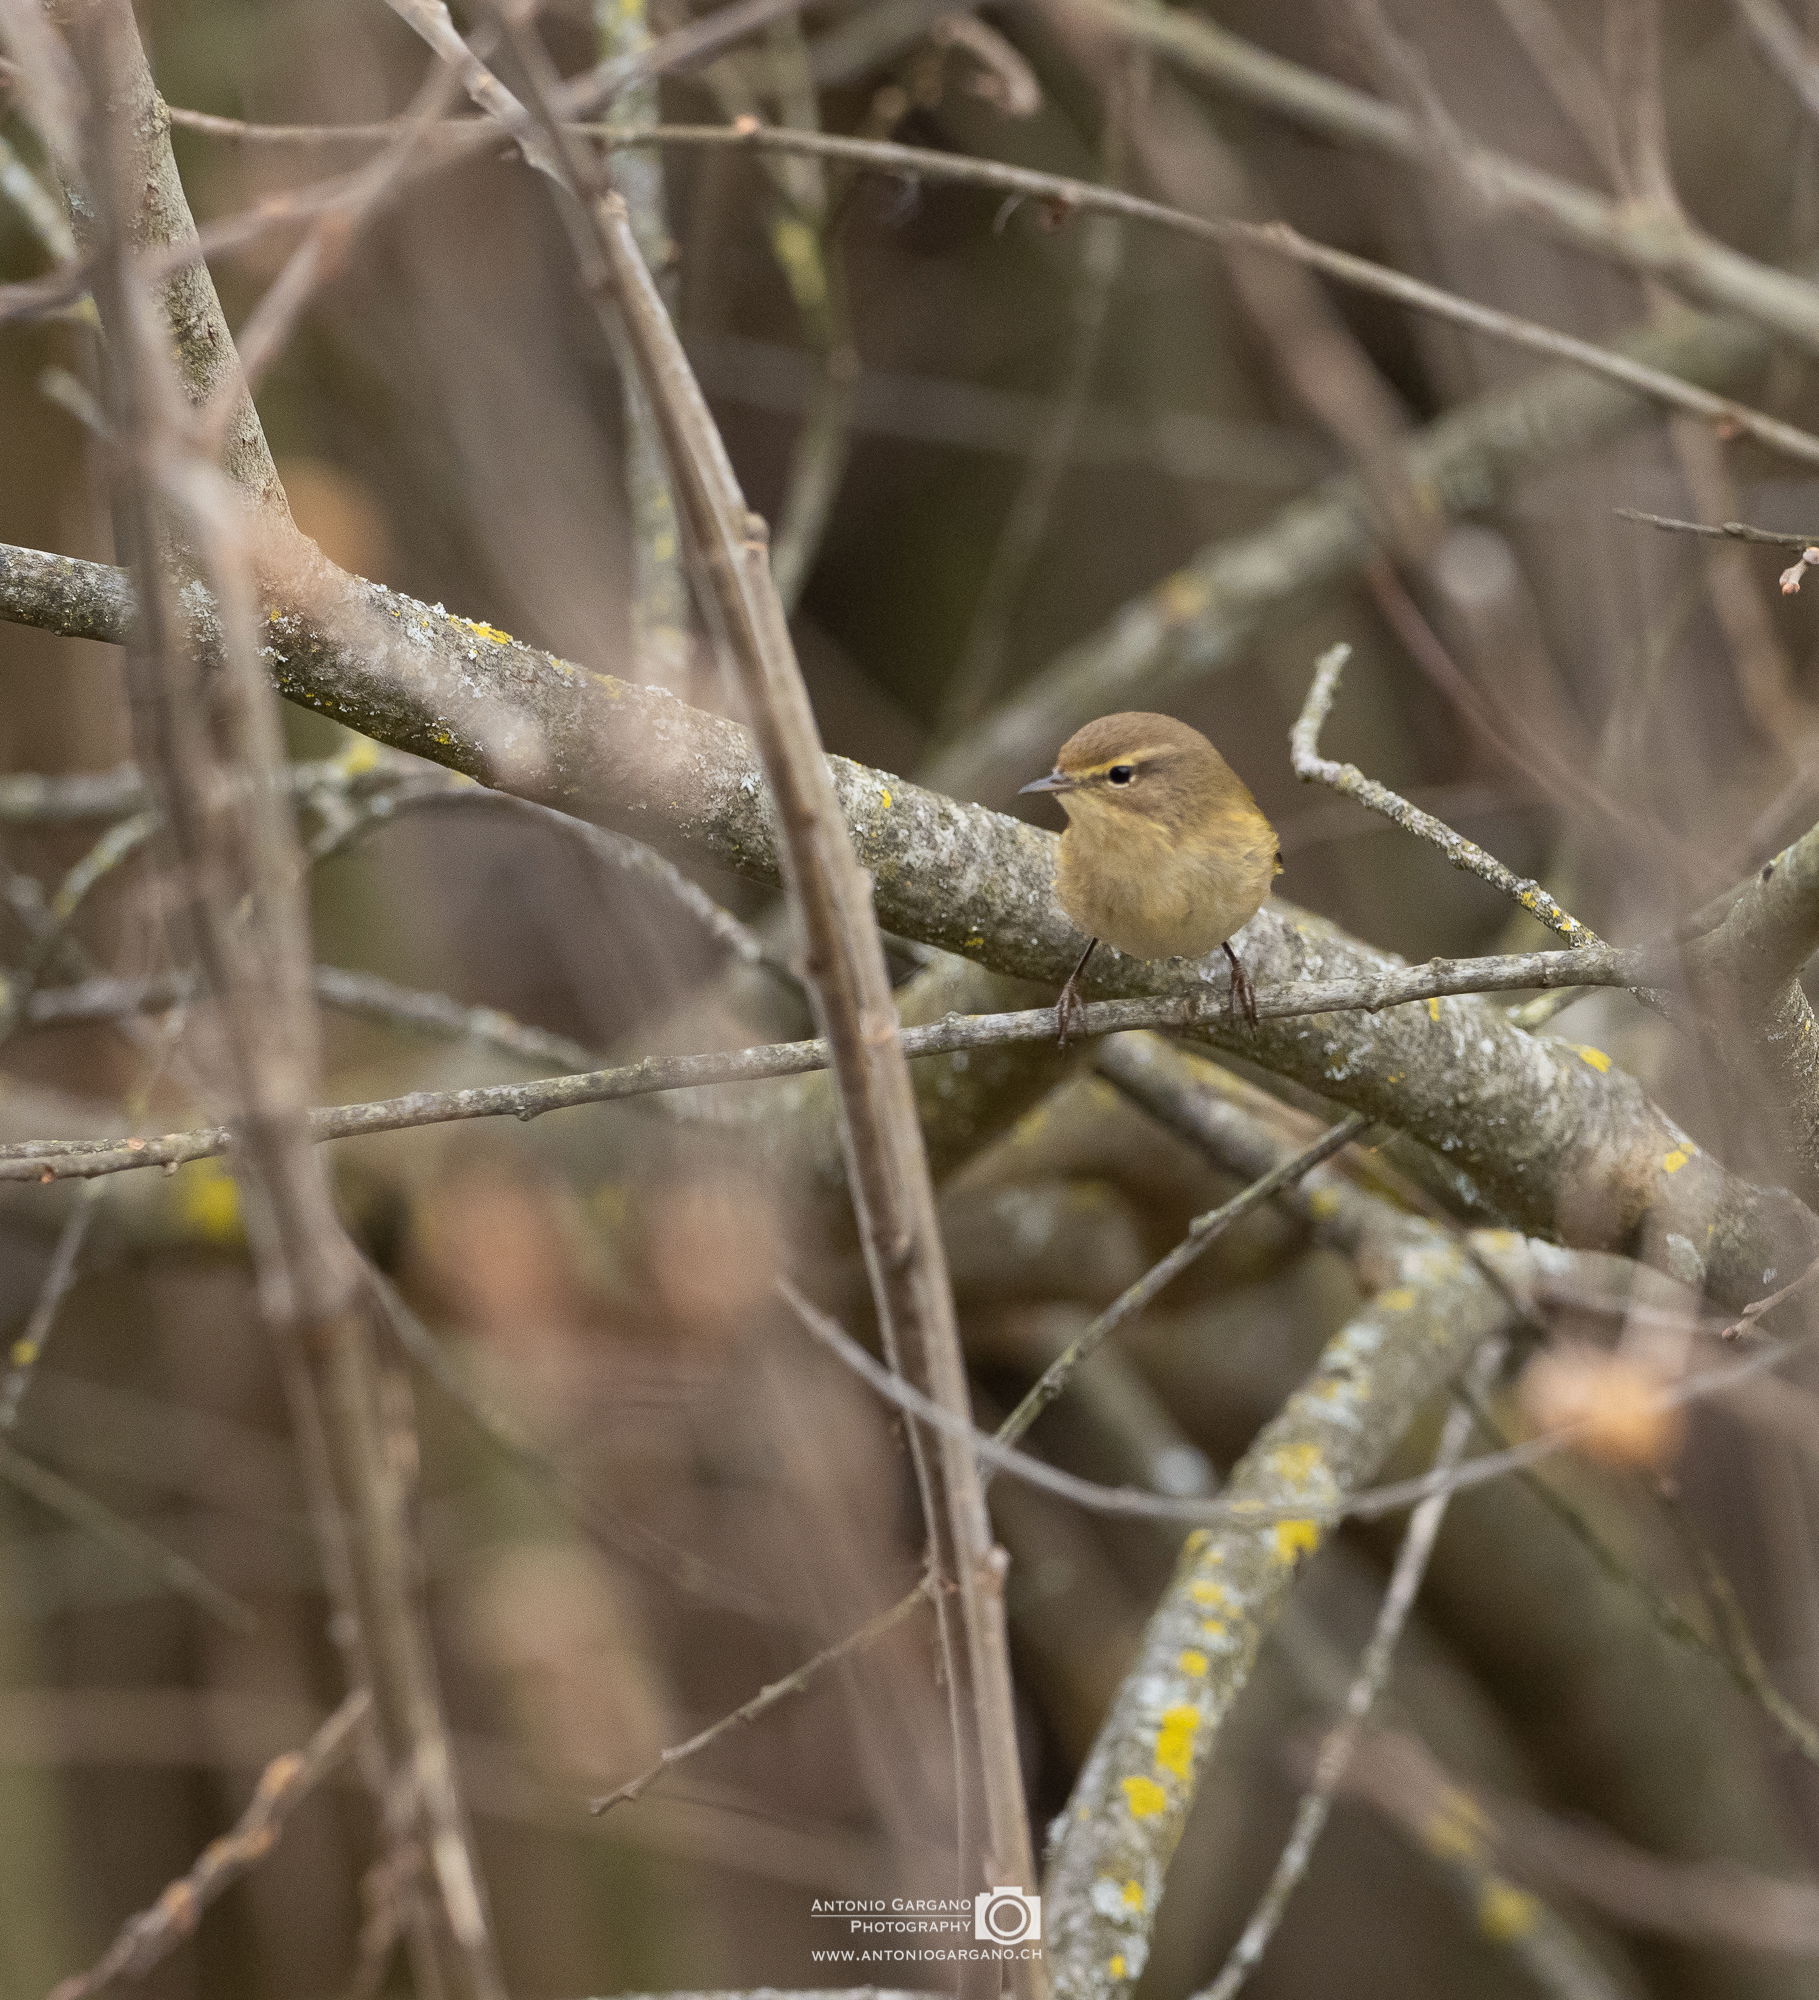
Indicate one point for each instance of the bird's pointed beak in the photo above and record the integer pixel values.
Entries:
(1056, 781)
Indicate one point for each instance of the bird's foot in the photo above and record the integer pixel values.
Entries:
(1244, 994)
(1068, 1007)
(1068, 1010)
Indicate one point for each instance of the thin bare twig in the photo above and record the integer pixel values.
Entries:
(63, 1159)
(114, 847)
(766, 1698)
(976, 674)
(1280, 240)
(1311, 767)
(1202, 1233)
(1667, 1616)
(1271, 238)
(1053, 1380)
(626, 1536)
(1736, 1642)
(325, 247)
(1011, 1429)
(430, 790)
(170, 255)
(1736, 531)
(1234, 1137)
(106, 998)
(390, 1889)
(1007, 1433)
(1637, 237)
(365, 995)
(805, 246)
(1236, 1514)
(1050, 1385)
(63, 1496)
(49, 925)
(27, 1347)
(285, 1783)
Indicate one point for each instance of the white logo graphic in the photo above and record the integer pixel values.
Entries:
(1007, 1916)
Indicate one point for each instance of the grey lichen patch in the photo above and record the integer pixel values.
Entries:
(83, 600)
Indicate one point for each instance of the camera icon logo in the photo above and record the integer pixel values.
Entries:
(1007, 1916)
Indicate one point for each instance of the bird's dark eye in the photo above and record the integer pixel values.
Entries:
(1121, 774)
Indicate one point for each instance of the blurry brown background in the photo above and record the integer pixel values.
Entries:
(1636, 726)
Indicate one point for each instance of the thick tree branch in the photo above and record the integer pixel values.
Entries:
(1119, 1830)
(1554, 1137)
(1341, 1741)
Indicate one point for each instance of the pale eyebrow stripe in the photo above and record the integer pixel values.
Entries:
(1147, 756)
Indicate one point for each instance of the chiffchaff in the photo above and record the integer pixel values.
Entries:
(1166, 853)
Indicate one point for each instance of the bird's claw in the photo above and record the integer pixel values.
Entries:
(1244, 994)
(1068, 1010)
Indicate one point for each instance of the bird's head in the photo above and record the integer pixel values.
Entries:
(1140, 768)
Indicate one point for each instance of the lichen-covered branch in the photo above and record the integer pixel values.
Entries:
(1340, 1743)
(1119, 1830)
(1560, 1141)
(1206, 1105)
(202, 348)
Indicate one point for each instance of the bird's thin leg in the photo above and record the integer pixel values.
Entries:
(1069, 1003)
(1244, 994)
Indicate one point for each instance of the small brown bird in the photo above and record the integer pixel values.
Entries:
(1166, 853)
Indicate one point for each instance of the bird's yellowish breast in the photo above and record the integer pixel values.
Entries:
(1155, 894)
